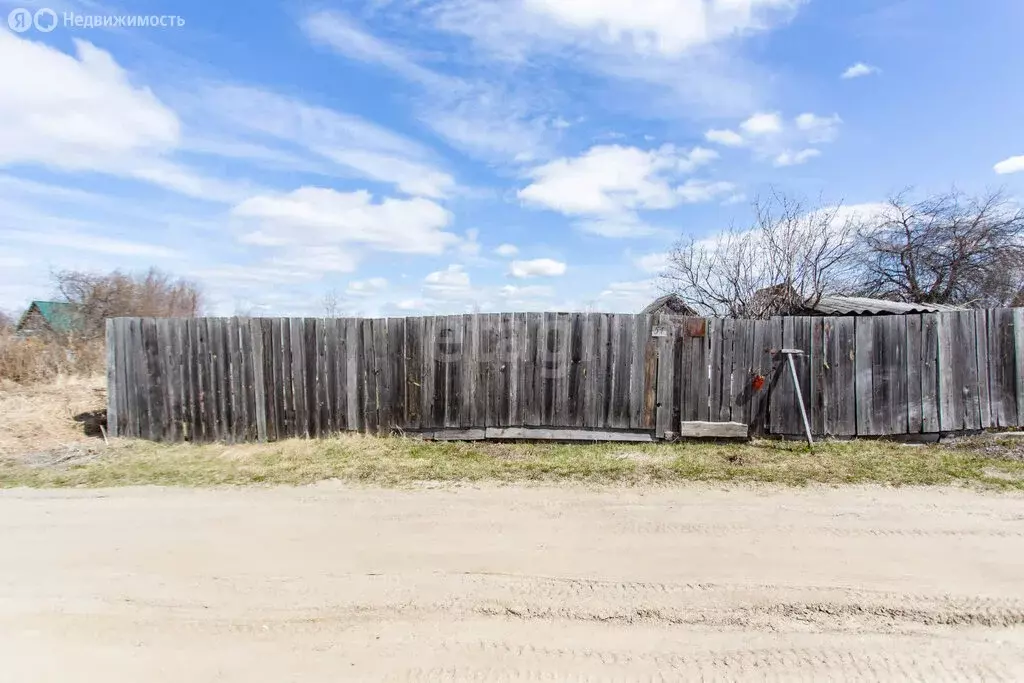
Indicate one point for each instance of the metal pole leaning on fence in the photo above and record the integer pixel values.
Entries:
(789, 353)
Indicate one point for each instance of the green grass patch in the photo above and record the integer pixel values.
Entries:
(400, 461)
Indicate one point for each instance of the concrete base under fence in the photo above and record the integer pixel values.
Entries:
(532, 434)
(688, 430)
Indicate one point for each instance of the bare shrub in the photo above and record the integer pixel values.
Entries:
(26, 360)
(150, 294)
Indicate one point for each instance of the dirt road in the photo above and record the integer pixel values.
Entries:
(494, 584)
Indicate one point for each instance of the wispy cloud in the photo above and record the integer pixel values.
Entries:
(858, 70)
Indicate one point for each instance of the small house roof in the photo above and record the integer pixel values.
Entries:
(61, 316)
(672, 302)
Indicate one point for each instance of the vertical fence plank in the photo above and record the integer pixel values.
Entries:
(310, 377)
(930, 373)
(340, 374)
(113, 363)
(818, 367)
(514, 328)
(222, 382)
(328, 348)
(354, 388)
(741, 388)
(728, 362)
(1001, 368)
(666, 334)
(715, 332)
(200, 379)
(864, 354)
(784, 412)
(1018, 351)
(563, 370)
(413, 372)
(383, 375)
(427, 373)
(699, 359)
(982, 360)
(965, 350)
(509, 358)
(153, 377)
(297, 339)
(577, 371)
(895, 363)
(637, 372)
(762, 366)
(840, 377)
(234, 377)
(125, 379)
(367, 358)
(479, 364)
(258, 378)
(618, 392)
(915, 339)
(453, 346)
(273, 385)
(468, 379)
(247, 358)
(591, 356)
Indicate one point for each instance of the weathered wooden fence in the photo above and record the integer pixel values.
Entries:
(245, 379)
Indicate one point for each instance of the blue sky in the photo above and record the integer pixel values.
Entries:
(444, 156)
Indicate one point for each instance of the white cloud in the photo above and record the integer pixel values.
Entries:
(451, 280)
(542, 267)
(612, 179)
(790, 158)
(366, 287)
(355, 145)
(652, 263)
(762, 123)
(320, 216)
(665, 29)
(859, 69)
(696, 191)
(1010, 165)
(819, 128)
(618, 226)
(76, 113)
(628, 297)
(318, 258)
(697, 157)
(506, 250)
(90, 242)
(729, 138)
(480, 117)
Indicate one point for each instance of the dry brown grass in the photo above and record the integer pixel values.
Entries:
(41, 416)
(45, 358)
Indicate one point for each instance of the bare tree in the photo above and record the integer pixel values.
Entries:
(6, 322)
(150, 294)
(330, 304)
(790, 257)
(946, 249)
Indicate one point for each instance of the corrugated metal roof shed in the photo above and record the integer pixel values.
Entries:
(858, 305)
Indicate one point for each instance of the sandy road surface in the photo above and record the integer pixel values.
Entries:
(493, 584)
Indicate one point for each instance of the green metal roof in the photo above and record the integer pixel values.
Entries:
(61, 316)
